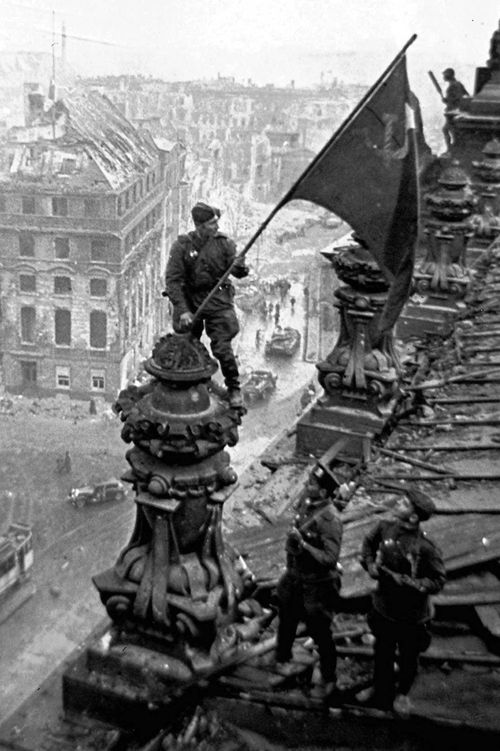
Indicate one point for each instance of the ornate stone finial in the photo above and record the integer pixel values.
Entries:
(443, 269)
(359, 365)
(488, 168)
(494, 58)
(453, 201)
(180, 359)
(177, 582)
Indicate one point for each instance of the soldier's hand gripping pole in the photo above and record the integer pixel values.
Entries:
(436, 84)
(239, 257)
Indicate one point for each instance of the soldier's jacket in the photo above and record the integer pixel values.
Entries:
(324, 534)
(455, 92)
(194, 268)
(393, 547)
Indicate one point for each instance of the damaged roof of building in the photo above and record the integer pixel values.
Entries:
(94, 131)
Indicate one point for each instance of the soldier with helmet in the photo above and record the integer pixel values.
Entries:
(408, 567)
(308, 589)
(196, 264)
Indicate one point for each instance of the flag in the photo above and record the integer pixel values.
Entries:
(367, 175)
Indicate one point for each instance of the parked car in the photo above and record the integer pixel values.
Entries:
(258, 384)
(111, 490)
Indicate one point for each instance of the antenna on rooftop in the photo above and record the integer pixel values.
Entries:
(52, 88)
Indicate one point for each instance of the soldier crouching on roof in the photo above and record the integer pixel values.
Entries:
(408, 568)
(196, 264)
(308, 590)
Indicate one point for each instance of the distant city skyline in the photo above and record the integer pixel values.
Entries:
(269, 41)
(266, 41)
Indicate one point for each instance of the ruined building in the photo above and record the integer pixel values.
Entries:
(88, 205)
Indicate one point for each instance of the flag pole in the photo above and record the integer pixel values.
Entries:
(288, 196)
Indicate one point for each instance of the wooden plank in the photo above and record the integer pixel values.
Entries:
(448, 447)
(489, 615)
(433, 478)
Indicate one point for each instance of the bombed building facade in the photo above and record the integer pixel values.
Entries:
(88, 204)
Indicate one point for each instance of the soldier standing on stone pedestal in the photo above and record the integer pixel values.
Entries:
(197, 262)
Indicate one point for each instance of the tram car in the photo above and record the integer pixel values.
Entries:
(16, 556)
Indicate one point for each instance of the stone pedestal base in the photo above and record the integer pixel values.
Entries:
(128, 686)
(432, 316)
(333, 418)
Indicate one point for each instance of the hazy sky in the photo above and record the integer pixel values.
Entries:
(266, 40)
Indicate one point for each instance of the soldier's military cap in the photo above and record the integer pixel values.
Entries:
(202, 212)
(422, 503)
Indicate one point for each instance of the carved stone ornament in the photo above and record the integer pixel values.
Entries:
(360, 364)
(443, 269)
(177, 581)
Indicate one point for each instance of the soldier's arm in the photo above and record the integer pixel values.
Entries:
(240, 269)
(435, 570)
(331, 535)
(370, 547)
(175, 278)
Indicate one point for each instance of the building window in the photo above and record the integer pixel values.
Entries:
(97, 380)
(28, 204)
(62, 377)
(68, 165)
(98, 249)
(120, 205)
(26, 245)
(62, 328)
(98, 287)
(91, 207)
(27, 282)
(62, 285)
(61, 247)
(98, 323)
(28, 317)
(28, 372)
(59, 206)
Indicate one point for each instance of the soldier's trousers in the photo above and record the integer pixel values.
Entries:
(313, 603)
(404, 640)
(221, 326)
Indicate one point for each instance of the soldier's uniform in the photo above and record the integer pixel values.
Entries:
(401, 610)
(308, 590)
(193, 270)
(455, 92)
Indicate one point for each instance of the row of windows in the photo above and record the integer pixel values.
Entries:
(62, 327)
(144, 226)
(98, 247)
(92, 207)
(98, 287)
(137, 191)
(63, 378)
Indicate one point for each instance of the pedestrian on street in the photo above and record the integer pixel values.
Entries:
(455, 92)
(292, 304)
(258, 338)
(408, 567)
(277, 311)
(196, 264)
(307, 397)
(308, 589)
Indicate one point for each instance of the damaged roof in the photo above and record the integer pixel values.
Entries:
(93, 134)
(119, 150)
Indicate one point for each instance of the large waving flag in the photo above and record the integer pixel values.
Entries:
(367, 175)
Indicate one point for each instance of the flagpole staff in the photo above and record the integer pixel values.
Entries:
(287, 197)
